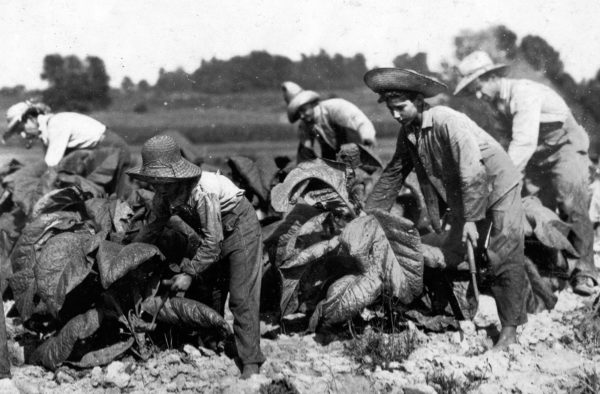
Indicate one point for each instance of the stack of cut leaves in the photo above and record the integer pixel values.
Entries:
(88, 296)
(332, 262)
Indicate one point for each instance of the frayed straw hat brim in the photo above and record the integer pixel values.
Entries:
(160, 173)
(466, 81)
(381, 80)
(304, 97)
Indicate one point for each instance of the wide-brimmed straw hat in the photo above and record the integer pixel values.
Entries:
(298, 100)
(15, 113)
(162, 162)
(382, 80)
(289, 89)
(474, 66)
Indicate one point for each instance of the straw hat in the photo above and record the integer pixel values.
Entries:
(296, 97)
(474, 66)
(162, 162)
(382, 80)
(290, 89)
(15, 113)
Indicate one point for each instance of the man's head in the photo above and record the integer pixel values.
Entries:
(22, 118)
(480, 76)
(403, 91)
(405, 106)
(302, 105)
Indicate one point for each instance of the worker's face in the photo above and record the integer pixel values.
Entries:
(30, 128)
(483, 89)
(307, 113)
(176, 193)
(402, 109)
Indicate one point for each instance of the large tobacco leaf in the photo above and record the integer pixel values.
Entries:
(246, 170)
(63, 263)
(404, 239)
(185, 312)
(347, 297)
(103, 356)
(57, 349)
(547, 226)
(115, 260)
(69, 198)
(5, 266)
(26, 251)
(325, 178)
(26, 185)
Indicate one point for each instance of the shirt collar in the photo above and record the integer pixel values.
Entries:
(427, 119)
(43, 127)
(504, 89)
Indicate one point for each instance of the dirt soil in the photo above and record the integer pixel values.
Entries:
(549, 358)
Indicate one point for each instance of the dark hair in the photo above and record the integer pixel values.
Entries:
(404, 94)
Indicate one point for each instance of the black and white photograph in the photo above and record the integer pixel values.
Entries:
(277, 196)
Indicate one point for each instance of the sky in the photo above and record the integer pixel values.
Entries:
(136, 38)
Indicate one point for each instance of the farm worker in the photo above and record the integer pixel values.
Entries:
(459, 164)
(331, 122)
(228, 228)
(548, 145)
(65, 132)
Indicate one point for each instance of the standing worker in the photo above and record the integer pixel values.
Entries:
(228, 228)
(547, 145)
(459, 164)
(65, 132)
(331, 122)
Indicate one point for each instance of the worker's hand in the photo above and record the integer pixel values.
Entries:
(470, 234)
(181, 282)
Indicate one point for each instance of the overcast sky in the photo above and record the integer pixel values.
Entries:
(137, 37)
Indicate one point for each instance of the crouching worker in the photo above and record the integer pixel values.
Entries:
(65, 132)
(460, 166)
(228, 229)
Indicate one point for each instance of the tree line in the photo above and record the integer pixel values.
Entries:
(83, 84)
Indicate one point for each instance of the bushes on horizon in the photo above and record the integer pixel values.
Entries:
(75, 84)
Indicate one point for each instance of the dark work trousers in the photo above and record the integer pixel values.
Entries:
(120, 184)
(506, 260)
(241, 251)
(4, 361)
(559, 174)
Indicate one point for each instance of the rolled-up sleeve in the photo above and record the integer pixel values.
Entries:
(526, 109)
(211, 234)
(387, 187)
(472, 173)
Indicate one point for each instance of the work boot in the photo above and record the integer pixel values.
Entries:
(249, 370)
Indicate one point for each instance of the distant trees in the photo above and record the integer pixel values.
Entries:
(74, 84)
(259, 70)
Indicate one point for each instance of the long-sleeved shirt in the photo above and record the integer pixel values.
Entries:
(68, 130)
(337, 121)
(526, 105)
(213, 196)
(454, 159)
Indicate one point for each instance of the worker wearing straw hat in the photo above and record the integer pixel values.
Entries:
(333, 122)
(228, 228)
(459, 166)
(548, 145)
(65, 132)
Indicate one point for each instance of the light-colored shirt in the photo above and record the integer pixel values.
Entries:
(338, 121)
(68, 130)
(212, 197)
(527, 104)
